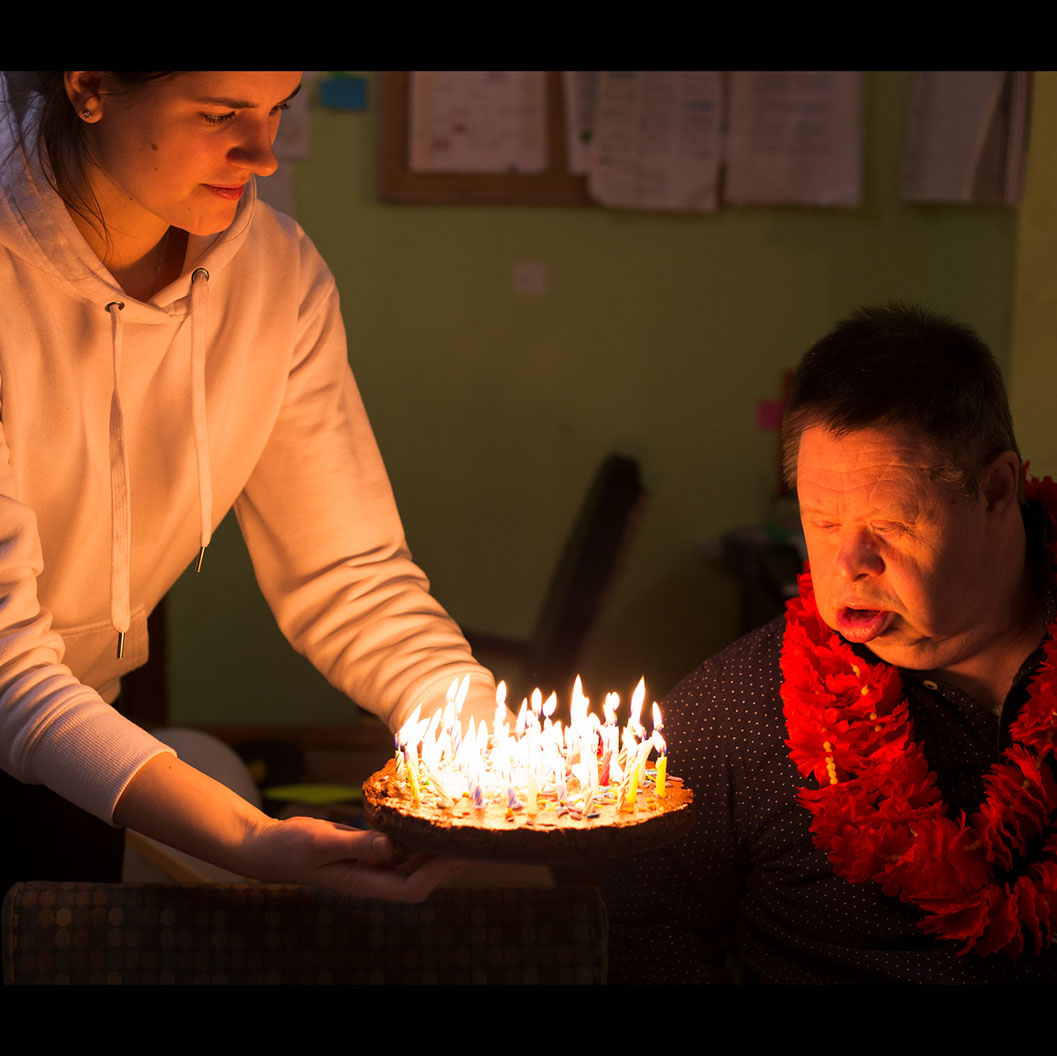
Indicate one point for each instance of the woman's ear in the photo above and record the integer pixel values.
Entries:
(83, 89)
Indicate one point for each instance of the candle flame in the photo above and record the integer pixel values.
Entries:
(572, 763)
(637, 699)
(406, 731)
(460, 696)
(639, 695)
(580, 703)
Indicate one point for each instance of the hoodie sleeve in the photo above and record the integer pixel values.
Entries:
(327, 545)
(54, 730)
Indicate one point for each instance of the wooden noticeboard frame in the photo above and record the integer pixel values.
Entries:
(396, 183)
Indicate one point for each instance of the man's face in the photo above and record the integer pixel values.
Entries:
(899, 562)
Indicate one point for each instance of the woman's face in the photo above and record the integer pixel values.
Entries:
(180, 151)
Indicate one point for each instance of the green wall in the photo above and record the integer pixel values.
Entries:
(1033, 380)
(657, 336)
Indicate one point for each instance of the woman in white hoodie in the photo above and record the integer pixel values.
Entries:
(170, 348)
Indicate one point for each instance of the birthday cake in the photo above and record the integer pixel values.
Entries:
(540, 793)
(555, 834)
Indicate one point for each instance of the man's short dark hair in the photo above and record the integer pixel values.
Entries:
(899, 365)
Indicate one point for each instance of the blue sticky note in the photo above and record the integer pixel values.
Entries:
(344, 93)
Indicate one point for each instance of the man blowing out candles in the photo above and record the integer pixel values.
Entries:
(874, 770)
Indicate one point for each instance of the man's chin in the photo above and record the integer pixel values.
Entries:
(913, 654)
(886, 635)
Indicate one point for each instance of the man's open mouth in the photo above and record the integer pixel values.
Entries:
(863, 625)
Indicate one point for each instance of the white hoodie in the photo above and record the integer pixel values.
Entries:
(233, 388)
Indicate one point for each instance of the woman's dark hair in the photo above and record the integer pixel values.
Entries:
(62, 144)
(899, 365)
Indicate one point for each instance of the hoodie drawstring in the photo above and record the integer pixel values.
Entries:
(199, 296)
(120, 512)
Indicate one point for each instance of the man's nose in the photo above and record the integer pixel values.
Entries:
(859, 555)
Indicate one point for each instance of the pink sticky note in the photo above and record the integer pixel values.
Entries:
(769, 414)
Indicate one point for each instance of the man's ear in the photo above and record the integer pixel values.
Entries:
(84, 90)
(1000, 481)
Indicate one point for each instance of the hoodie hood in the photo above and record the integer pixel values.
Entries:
(35, 224)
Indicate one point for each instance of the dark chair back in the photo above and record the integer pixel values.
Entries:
(585, 572)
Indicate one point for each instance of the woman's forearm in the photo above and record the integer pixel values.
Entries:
(184, 808)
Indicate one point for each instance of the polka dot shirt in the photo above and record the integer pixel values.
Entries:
(746, 896)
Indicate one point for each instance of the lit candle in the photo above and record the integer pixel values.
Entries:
(629, 782)
(570, 763)
(412, 780)
(445, 799)
(662, 769)
(662, 750)
(476, 793)
(640, 762)
(592, 765)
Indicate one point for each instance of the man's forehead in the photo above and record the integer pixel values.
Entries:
(869, 448)
(889, 465)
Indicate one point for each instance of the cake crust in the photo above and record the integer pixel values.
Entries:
(495, 833)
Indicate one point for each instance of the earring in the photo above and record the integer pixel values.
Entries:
(86, 114)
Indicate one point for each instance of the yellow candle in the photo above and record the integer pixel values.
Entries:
(662, 769)
(412, 779)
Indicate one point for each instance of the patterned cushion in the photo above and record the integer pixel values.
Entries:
(272, 933)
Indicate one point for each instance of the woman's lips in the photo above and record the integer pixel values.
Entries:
(230, 193)
(863, 625)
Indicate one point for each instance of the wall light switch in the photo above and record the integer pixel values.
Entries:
(530, 277)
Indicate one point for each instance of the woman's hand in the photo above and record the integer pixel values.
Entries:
(361, 863)
(182, 807)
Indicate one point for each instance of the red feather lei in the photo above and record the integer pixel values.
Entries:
(879, 814)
